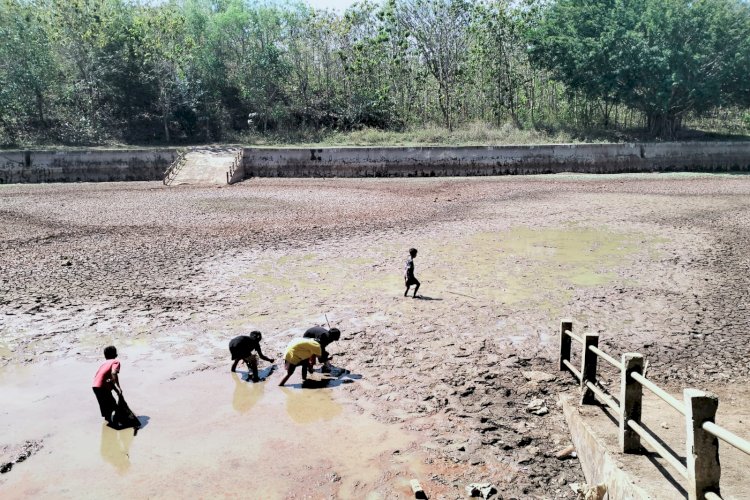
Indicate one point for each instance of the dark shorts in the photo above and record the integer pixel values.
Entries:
(411, 280)
(107, 403)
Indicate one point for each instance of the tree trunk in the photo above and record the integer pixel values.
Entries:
(164, 112)
(39, 106)
(663, 125)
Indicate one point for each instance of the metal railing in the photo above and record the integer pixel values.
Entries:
(236, 163)
(702, 469)
(175, 167)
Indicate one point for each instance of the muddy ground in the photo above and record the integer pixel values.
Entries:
(656, 264)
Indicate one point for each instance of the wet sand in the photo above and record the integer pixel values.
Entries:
(208, 432)
(656, 263)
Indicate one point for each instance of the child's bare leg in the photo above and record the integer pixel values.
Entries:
(417, 288)
(252, 364)
(286, 377)
(234, 365)
(289, 370)
(407, 290)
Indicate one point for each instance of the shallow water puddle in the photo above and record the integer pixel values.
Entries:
(539, 265)
(206, 434)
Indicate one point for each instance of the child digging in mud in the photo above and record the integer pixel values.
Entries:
(106, 381)
(300, 352)
(324, 338)
(409, 278)
(117, 413)
(242, 347)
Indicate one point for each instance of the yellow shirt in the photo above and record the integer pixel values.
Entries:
(301, 349)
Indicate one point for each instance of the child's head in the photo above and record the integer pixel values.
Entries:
(334, 334)
(413, 252)
(110, 352)
(256, 336)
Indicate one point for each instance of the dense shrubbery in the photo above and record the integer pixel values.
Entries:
(105, 71)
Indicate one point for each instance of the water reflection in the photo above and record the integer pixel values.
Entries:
(308, 406)
(115, 447)
(246, 394)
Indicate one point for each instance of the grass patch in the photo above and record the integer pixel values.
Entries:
(471, 134)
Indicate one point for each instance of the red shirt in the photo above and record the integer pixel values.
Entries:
(103, 377)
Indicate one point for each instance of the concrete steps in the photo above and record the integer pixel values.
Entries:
(205, 166)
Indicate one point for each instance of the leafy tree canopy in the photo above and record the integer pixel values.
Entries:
(664, 57)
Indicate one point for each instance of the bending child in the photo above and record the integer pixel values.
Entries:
(242, 347)
(300, 352)
(106, 381)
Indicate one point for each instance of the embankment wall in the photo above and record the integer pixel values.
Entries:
(149, 165)
(84, 165)
(496, 160)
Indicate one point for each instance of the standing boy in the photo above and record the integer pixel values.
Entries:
(242, 347)
(106, 381)
(409, 278)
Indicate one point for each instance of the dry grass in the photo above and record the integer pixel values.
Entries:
(472, 134)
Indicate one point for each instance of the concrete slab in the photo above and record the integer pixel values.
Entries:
(205, 166)
(594, 434)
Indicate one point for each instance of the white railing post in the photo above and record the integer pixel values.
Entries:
(565, 325)
(631, 396)
(701, 447)
(588, 368)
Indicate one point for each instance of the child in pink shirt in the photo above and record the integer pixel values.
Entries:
(106, 381)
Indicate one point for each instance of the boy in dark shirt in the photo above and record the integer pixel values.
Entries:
(409, 278)
(323, 337)
(242, 347)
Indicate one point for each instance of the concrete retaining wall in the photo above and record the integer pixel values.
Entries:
(84, 166)
(496, 160)
(149, 165)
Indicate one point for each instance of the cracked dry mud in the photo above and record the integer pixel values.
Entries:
(657, 264)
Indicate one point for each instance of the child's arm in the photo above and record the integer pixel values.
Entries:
(260, 354)
(116, 379)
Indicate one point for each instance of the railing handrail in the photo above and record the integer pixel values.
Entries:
(235, 164)
(727, 436)
(698, 407)
(574, 336)
(664, 395)
(172, 170)
(611, 402)
(606, 357)
(573, 369)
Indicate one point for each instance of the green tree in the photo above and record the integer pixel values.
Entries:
(27, 68)
(439, 29)
(665, 58)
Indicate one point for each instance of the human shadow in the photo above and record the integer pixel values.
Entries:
(338, 376)
(262, 374)
(425, 297)
(143, 420)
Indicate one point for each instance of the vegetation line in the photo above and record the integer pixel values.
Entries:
(102, 72)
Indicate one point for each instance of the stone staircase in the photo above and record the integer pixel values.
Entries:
(205, 166)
